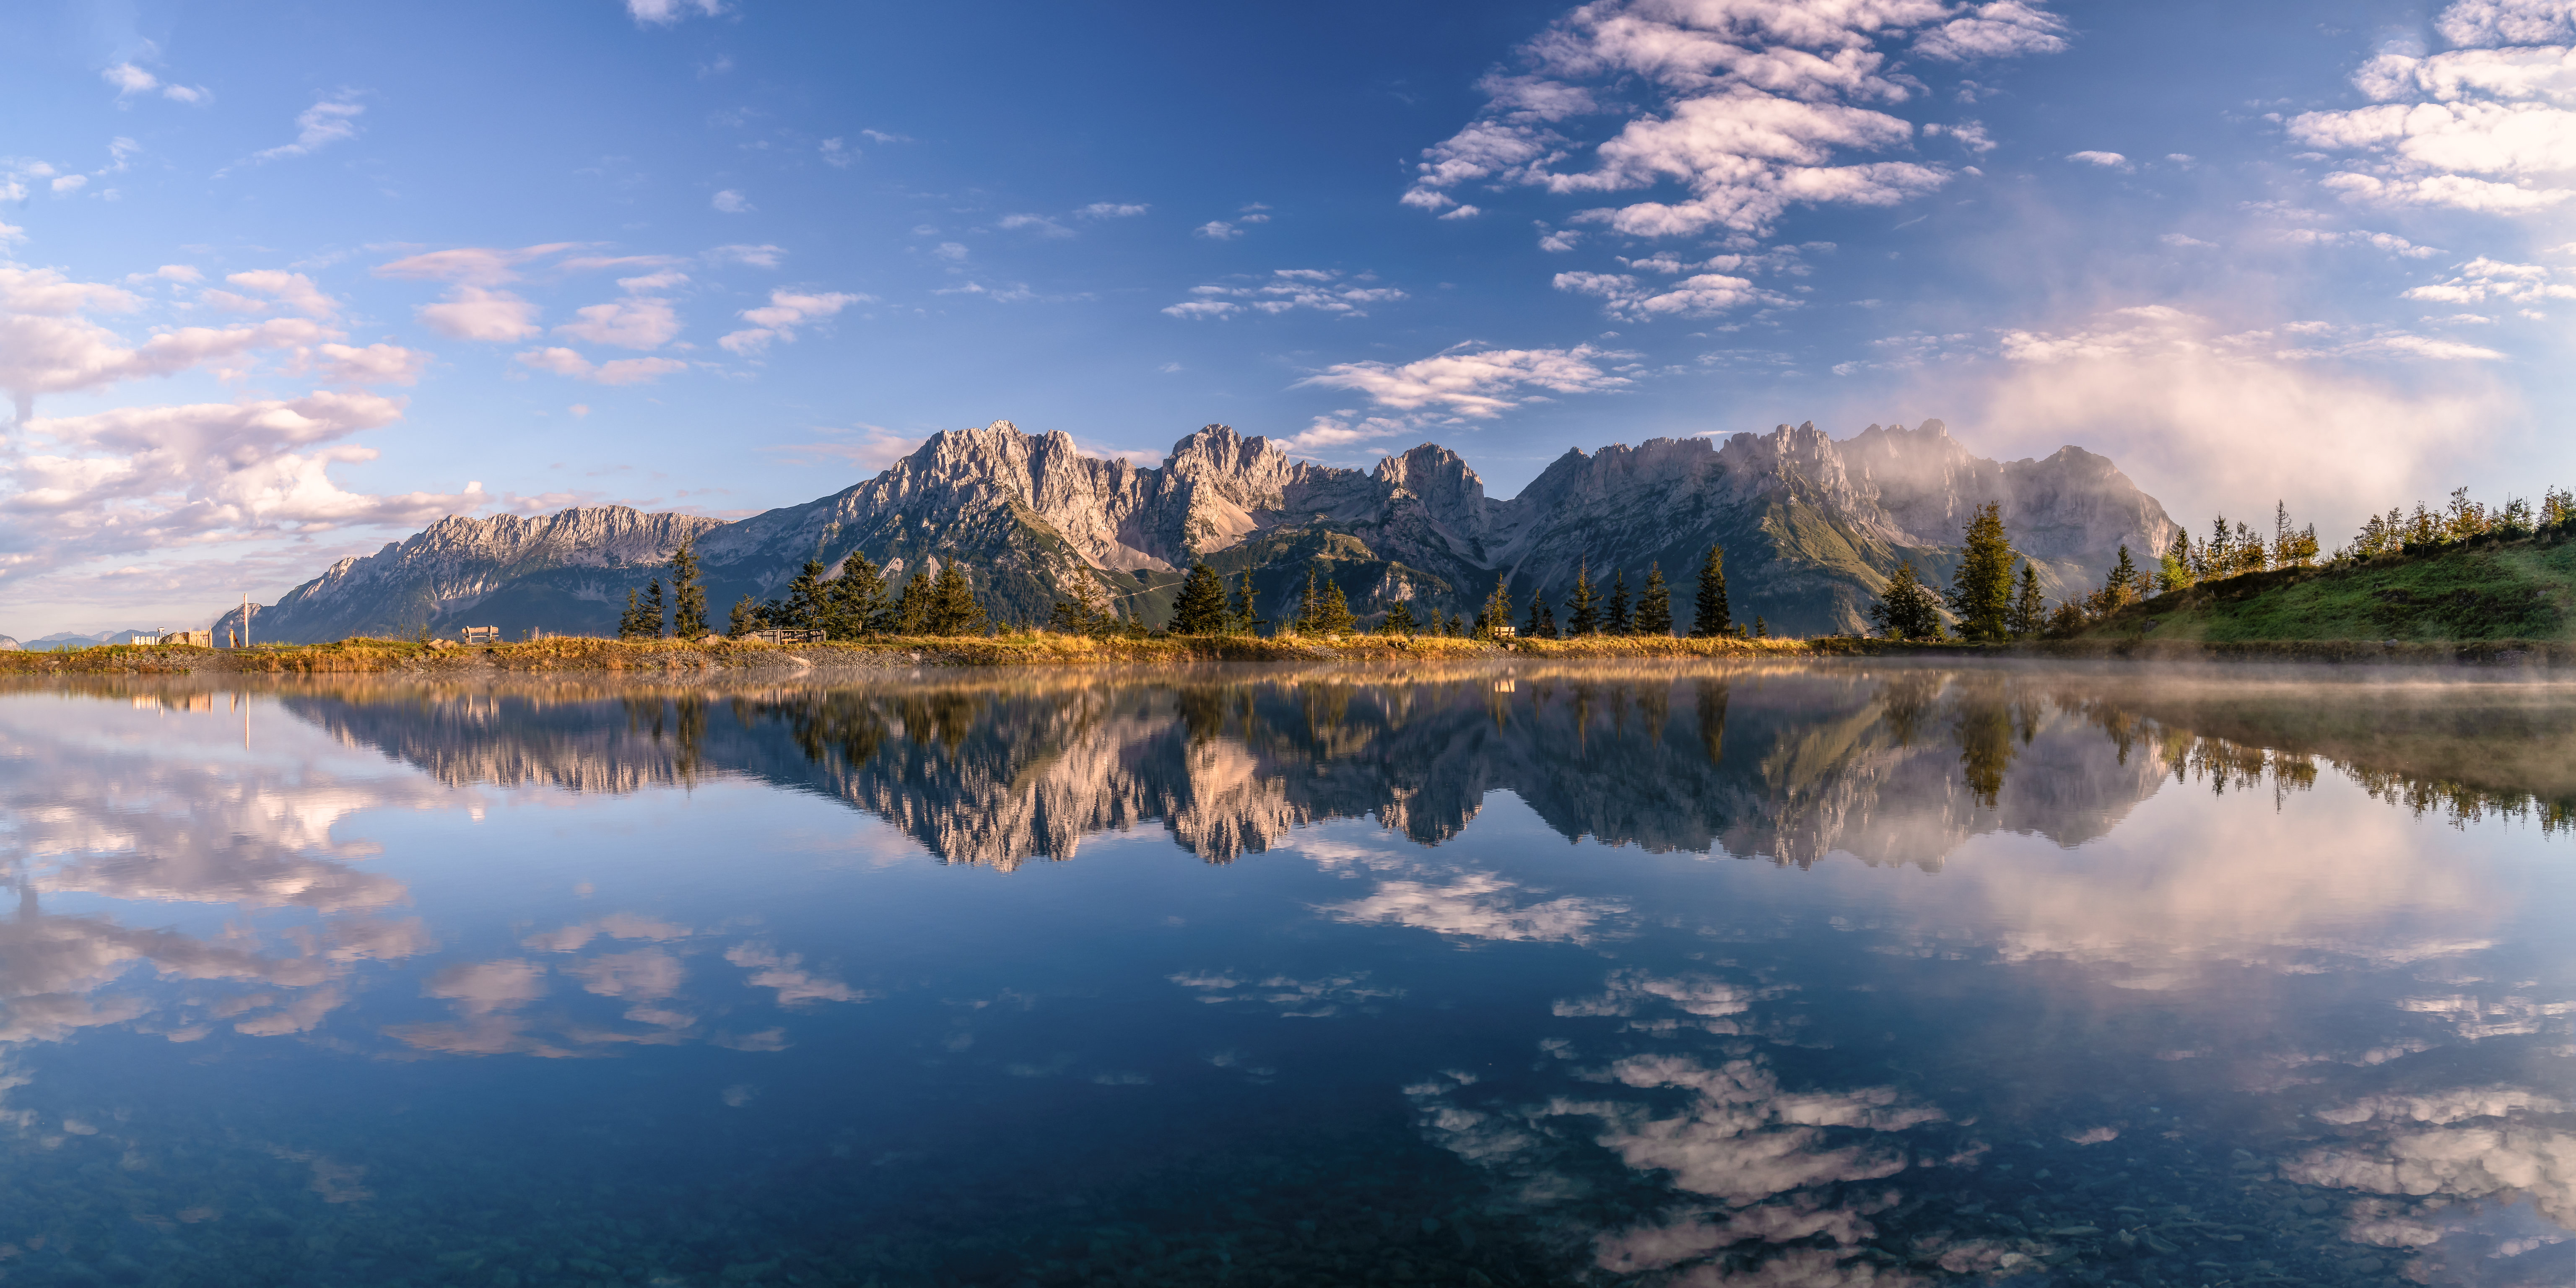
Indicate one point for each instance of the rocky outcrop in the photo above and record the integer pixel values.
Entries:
(564, 572)
(1811, 526)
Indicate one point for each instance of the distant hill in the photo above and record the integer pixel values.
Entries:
(2520, 590)
(1812, 527)
(61, 640)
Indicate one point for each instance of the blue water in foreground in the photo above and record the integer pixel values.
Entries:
(1811, 975)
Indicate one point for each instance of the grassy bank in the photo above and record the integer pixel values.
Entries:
(588, 654)
(2516, 594)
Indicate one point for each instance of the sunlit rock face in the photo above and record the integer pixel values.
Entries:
(566, 572)
(1812, 527)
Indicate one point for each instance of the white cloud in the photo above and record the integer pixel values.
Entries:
(837, 154)
(474, 313)
(471, 265)
(1478, 905)
(624, 371)
(641, 322)
(1217, 230)
(2476, 128)
(731, 202)
(2107, 160)
(2483, 279)
(786, 311)
(130, 80)
(2171, 394)
(1111, 210)
(294, 290)
(1477, 383)
(376, 364)
(953, 252)
(1626, 299)
(1751, 106)
(10, 235)
(1039, 224)
(65, 185)
(2185, 241)
(662, 13)
(1463, 212)
(2390, 242)
(329, 121)
(755, 256)
(1287, 289)
(192, 95)
(2507, 22)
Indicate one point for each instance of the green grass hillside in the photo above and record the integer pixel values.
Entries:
(2523, 590)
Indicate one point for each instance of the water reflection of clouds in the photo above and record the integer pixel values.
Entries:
(1479, 905)
(1770, 1184)
(1294, 999)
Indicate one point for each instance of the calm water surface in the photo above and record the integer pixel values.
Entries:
(1809, 975)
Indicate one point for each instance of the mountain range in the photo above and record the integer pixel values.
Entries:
(1812, 526)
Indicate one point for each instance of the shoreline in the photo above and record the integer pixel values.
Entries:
(1044, 650)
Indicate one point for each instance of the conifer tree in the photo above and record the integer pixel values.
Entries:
(2029, 612)
(854, 602)
(2123, 585)
(1539, 613)
(1333, 615)
(1981, 589)
(1304, 622)
(807, 599)
(1614, 619)
(1655, 604)
(1761, 628)
(2175, 571)
(1201, 608)
(649, 623)
(1583, 607)
(953, 609)
(1240, 616)
(910, 614)
(689, 599)
(746, 618)
(1084, 612)
(1907, 609)
(630, 624)
(1399, 620)
(1712, 620)
(1497, 611)
(1546, 621)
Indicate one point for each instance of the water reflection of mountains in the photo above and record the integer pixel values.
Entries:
(1891, 765)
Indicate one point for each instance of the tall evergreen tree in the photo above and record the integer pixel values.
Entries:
(1333, 615)
(910, 613)
(1304, 622)
(1907, 609)
(1583, 607)
(2123, 584)
(688, 598)
(854, 602)
(1241, 619)
(1981, 589)
(1761, 628)
(808, 598)
(1201, 608)
(1399, 620)
(746, 618)
(648, 623)
(1655, 604)
(2029, 612)
(1614, 617)
(1712, 620)
(630, 624)
(953, 609)
(1084, 612)
(1539, 612)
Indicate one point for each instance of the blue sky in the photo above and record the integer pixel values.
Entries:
(282, 282)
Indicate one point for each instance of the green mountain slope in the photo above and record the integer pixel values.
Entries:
(2512, 590)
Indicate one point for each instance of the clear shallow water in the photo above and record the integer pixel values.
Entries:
(1834, 975)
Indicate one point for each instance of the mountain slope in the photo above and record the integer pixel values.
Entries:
(2521, 590)
(1812, 528)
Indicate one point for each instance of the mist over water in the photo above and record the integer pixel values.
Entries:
(1807, 974)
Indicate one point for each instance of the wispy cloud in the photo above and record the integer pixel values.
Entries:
(783, 315)
(332, 120)
(1286, 290)
(663, 13)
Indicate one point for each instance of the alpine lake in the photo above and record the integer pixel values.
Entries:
(1833, 973)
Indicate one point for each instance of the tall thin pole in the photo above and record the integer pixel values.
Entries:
(245, 619)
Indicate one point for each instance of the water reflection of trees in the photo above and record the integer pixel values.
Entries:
(1886, 764)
